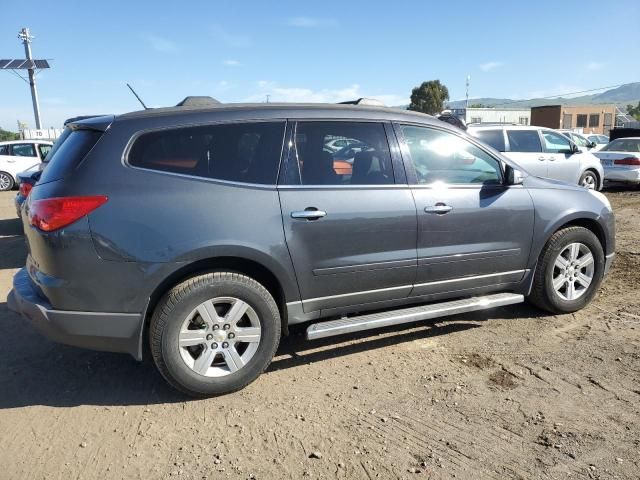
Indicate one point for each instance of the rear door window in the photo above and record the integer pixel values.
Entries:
(240, 152)
(67, 153)
(365, 160)
(24, 150)
(524, 141)
(493, 138)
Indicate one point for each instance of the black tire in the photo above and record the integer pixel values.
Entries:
(7, 186)
(176, 305)
(543, 295)
(589, 176)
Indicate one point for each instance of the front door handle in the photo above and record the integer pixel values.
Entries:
(310, 213)
(542, 159)
(438, 208)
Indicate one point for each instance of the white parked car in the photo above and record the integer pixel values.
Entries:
(544, 153)
(599, 140)
(621, 160)
(18, 156)
(584, 144)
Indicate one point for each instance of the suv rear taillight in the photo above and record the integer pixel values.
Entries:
(25, 189)
(628, 161)
(53, 213)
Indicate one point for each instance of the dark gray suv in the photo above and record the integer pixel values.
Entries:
(200, 234)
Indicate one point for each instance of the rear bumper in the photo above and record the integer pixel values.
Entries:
(630, 175)
(111, 332)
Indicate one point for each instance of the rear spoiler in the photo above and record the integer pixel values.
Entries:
(90, 122)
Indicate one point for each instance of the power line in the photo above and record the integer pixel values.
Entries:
(563, 94)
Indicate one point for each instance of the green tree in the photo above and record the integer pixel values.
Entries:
(429, 97)
(476, 105)
(4, 135)
(634, 111)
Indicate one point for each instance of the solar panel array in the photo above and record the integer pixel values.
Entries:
(22, 64)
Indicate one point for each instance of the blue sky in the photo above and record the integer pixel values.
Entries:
(309, 51)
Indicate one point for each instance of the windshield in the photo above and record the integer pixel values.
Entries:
(623, 145)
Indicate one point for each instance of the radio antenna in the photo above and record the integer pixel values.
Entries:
(138, 97)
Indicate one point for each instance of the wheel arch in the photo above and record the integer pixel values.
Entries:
(229, 263)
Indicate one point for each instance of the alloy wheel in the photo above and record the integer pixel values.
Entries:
(220, 336)
(573, 271)
(589, 181)
(5, 182)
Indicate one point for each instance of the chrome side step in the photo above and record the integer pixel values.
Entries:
(406, 315)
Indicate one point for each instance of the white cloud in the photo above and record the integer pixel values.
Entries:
(278, 93)
(159, 44)
(311, 22)
(236, 40)
(231, 63)
(488, 66)
(594, 65)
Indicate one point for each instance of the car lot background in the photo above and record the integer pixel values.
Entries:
(509, 393)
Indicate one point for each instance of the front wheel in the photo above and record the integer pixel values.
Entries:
(569, 271)
(214, 333)
(6, 181)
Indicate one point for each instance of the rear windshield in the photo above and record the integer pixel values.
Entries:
(623, 145)
(67, 152)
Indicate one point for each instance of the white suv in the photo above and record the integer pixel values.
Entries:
(18, 156)
(544, 153)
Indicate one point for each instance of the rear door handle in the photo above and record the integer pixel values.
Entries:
(542, 159)
(438, 208)
(310, 213)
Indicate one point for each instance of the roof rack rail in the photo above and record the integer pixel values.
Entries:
(197, 101)
(364, 101)
(496, 124)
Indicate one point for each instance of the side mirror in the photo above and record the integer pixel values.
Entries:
(513, 176)
(593, 145)
(574, 148)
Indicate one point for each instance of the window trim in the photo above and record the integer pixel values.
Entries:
(396, 159)
(412, 178)
(124, 160)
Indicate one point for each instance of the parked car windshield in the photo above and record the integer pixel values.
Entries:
(623, 145)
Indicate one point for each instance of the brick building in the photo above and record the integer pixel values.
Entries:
(585, 118)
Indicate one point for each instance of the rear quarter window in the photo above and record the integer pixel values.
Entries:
(67, 153)
(240, 152)
(493, 138)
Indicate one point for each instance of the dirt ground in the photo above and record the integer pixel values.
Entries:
(510, 393)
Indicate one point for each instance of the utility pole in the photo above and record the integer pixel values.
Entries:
(267, 97)
(466, 105)
(26, 38)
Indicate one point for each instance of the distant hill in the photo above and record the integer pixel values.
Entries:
(624, 95)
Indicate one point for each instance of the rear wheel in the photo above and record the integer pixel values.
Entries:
(214, 333)
(569, 271)
(589, 179)
(6, 181)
